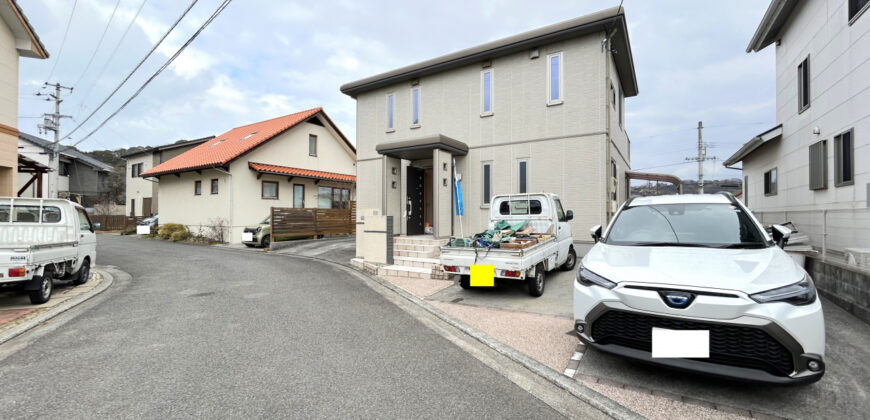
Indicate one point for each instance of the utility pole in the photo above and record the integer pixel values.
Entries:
(702, 156)
(51, 122)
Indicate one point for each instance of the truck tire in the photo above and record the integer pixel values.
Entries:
(43, 293)
(571, 261)
(465, 282)
(536, 282)
(84, 273)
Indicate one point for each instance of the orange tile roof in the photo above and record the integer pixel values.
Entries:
(305, 173)
(228, 146)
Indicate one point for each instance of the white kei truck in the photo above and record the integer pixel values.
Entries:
(555, 250)
(42, 240)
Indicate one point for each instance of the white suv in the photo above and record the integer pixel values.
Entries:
(694, 282)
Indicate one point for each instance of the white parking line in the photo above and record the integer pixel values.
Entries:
(570, 372)
(577, 355)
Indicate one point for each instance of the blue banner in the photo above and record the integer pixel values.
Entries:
(458, 192)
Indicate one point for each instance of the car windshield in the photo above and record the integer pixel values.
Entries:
(266, 221)
(715, 225)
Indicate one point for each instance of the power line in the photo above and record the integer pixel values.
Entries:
(99, 44)
(63, 42)
(160, 70)
(112, 55)
(142, 61)
(661, 166)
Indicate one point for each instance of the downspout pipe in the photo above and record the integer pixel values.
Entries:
(605, 45)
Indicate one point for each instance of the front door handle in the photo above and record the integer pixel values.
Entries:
(410, 207)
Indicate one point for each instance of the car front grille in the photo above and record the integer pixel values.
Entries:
(730, 345)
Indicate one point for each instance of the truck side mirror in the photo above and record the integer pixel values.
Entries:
(596, 233)
(569, 215)
(780, 235)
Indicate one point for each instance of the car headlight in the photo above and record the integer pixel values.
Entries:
(588, 278)
(800, 293)
(259, 228)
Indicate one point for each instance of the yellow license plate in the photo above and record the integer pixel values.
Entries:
(482, 276)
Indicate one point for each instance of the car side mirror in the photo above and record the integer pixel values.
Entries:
(569, 215)
(780, 235)
(596, 233)
(96, 226)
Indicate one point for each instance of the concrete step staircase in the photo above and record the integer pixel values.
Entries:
(415, 257)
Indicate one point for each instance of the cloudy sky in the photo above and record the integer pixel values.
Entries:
(264, 58)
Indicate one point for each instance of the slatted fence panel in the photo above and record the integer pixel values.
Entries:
(290, 223)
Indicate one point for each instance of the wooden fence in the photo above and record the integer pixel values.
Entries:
(288, 223)
(115, 221)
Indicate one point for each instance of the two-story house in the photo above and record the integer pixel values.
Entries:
(17, 39)
(80, 177)
(540, 111)
(813, 167)
(141, 193)
(301, 160)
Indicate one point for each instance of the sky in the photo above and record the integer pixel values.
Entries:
(265, 58)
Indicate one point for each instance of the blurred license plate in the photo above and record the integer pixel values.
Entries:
(247, 237)
(680, 343)
(143, 230)
(482, 276)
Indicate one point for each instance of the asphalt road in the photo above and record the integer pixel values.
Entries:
(208, 332)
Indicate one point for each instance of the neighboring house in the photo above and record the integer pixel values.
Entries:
(538, 111)
(141, 192)
(813, 167)
(17, 39)
(300, 160)
(80, 177)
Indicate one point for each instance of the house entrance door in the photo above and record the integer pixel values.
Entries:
(146, 207)
(414, 204)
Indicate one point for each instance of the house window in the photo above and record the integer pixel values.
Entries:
(857, 8)
(312, 145)
(770, 182)
(487, 183)
(214, 186)
(298, 196)
(804, 85)
(415, 106)
(621, 108)
(844, 159)
(486, 92)
(133, 207)
(332, 198)
(135, 170)
(324, 197)
(819, 165)
(391, 108)
(612, 96)
(554, 79)
(63, 169)
(269, 190)
(197, 187)
(746, 191)
(523, 175)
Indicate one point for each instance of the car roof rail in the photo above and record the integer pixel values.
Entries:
(730, 197)
(630, 199)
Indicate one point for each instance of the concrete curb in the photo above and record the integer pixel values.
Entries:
(576, 389)
(274, 246)
(59, 309)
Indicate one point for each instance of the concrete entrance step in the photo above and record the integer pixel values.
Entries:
(430, 263)
(429, 253)
(411, 272)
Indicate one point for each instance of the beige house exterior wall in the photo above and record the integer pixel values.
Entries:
(565, 144)
(138, 188)
(239, 200)
(8, 112)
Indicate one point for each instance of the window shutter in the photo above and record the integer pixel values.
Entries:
(819, 165)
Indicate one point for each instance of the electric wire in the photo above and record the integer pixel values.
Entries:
(156, 73)
(99, 44)
(63, 41)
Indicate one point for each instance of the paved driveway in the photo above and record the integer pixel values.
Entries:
(210, 332)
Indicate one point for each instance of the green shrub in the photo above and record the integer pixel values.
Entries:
(166, 231)
(179, 235)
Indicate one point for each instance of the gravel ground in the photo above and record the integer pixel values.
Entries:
(541, 337)
(419, 287)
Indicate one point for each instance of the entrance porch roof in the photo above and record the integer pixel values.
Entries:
(421, 147)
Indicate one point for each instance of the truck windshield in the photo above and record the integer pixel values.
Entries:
(714, 225)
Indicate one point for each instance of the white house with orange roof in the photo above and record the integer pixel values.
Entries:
(300, 160)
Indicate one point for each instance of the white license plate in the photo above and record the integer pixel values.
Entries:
(680, 343)
(143, 230)
(247, 237)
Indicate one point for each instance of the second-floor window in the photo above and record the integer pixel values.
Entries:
(487, 183)
(804, 85)
(770, 182)
(391, 105)
(135, 170)
(63, 170)
(312, 145)
(415, 106)
(486, 92)
(857, 7)
(523, 172)
(844, 159)
(554, 79)
(621, 108)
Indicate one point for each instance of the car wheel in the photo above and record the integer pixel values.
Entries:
(571, 261)
(465, 282)
(266, 241)
(84, 273)
(43, 294)
(536, 282)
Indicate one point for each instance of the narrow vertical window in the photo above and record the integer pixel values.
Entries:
(746, 191)
(298, 196)
(523, 175)
(621, 108)
(415, 106)
(612, 96)
(804, 85)
(390, 112)
(844, 164)
(487, 182)
(214, 186)
(486, 92)
(312, 145)
(554, 79)
(197, 187)
(770, 182)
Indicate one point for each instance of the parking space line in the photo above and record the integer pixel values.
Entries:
(574, 361)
